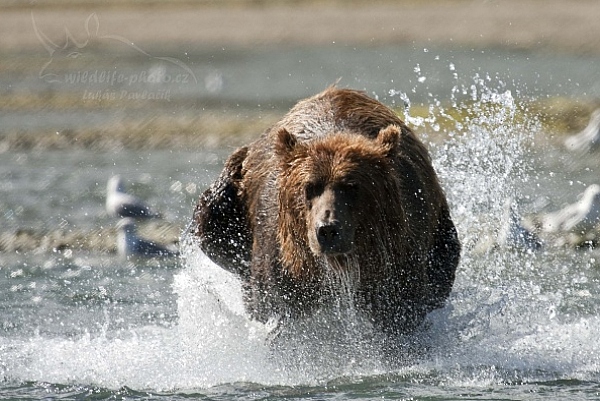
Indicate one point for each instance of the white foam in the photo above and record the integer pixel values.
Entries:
(499, 327)
(213, 343)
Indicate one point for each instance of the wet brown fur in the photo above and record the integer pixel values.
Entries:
(406, 245)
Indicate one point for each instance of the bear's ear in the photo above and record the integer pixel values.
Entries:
(284, 142)
(389, 137)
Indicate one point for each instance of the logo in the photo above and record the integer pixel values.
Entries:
(116, 81)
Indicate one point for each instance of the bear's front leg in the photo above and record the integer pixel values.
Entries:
(221, 222)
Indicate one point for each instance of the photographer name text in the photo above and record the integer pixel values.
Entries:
(127, 95)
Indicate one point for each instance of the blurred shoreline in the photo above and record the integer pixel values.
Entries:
(548, 25)
(247, 62)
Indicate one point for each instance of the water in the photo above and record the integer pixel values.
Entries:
(83, 324)
(267, 77)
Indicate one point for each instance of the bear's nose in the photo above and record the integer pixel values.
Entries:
(329, 230)
(328, 234)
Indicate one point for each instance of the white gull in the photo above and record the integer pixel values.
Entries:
(121, 204)
(580, 217)
(129, 244)
(588, 139)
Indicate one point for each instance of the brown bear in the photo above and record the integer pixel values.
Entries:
(339, 186)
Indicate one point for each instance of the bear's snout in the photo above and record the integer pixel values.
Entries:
(333, 238)
(329, 236)
(331, 225)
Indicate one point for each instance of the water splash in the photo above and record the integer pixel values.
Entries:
(334, 342)
(483, 162)
(512, 317)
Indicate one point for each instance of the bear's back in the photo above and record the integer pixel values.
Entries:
(335, 110)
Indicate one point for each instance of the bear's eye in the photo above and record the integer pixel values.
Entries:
(348, 187)
(313, 189)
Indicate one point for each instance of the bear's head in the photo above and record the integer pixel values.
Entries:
(335, 195)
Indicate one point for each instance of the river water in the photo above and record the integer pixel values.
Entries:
(519, 324)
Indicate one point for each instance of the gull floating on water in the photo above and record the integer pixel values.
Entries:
(588, 139)
(512, 233)
(580, 217)
(129, 244)
(121, 204)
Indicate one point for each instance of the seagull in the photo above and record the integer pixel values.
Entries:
(130, 245)
(588, 139)
(512, 233)
(580, 217)
(121, 204)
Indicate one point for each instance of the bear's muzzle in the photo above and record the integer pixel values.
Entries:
(333, 237)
